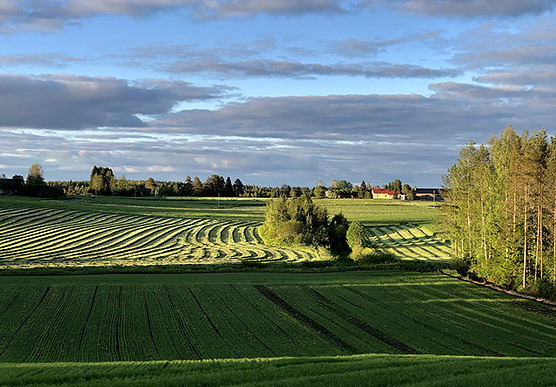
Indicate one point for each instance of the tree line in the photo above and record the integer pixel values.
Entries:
(103, 181)
(500, 210)
(33, 185)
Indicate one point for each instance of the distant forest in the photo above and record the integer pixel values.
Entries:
(103, 182)
(500, 210)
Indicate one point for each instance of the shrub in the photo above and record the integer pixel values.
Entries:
(543, 288)
(367, 255)
(337, 230)
(356, 235)
(461, 265)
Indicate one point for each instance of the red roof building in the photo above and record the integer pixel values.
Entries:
(379, 193)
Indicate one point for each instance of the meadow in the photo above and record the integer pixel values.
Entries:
(246, 327)
(107, 231)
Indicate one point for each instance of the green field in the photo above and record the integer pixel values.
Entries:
(252, 315)
(247, 327)
(150, 232)
(43, 237)
(358, 370)
(368, 212)
(425, 322)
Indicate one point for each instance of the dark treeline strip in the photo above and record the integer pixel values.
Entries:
(104, 182)
(500, 209)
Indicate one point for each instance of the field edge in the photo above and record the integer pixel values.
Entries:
(372, 369)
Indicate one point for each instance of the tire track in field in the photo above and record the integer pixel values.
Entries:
(254, 306)
(117, 324)
(422, 323)
(304, 319)
(87, 319)
(24, 321)
(376, 333)
(182, 327)
(245, 326)
(151, 329)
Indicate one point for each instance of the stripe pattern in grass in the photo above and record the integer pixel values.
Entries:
(408, 242)
(51, 237)
(223, 316)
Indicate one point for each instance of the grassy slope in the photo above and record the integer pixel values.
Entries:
(45, 237)
(372, 213)
(495, 314)
(379, 370)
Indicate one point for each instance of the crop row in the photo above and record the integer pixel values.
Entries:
(423, 314)
(408, 242)
(48, 237)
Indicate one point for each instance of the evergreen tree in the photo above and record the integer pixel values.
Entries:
(228, 188)
(238, 187)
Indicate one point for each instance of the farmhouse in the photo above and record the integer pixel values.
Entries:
(379, 193)
(430, 194)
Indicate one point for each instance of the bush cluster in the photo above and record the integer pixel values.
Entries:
(300, 221)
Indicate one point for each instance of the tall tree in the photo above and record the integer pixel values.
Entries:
(197, 186)
(35, 175)
(238, 187)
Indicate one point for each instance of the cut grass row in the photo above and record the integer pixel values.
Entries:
(42, 237)
(55, 238)
(104, 319)
(367, 370)
(408, 242)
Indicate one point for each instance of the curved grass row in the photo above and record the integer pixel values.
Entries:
(51, 237)
(408, 242)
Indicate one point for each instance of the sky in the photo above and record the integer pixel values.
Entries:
(269, 91)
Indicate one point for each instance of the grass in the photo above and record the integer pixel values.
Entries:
(45, 237)
(222, 209)
(110, 318)
(375, 213)
(368, 370)
(367, 211)
(116, 232)
(248, 324)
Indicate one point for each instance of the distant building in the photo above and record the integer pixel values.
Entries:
(379, 193)
(429, 194)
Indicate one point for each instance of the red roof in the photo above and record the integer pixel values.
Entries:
(384, 191)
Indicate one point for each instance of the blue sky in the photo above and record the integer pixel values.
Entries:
(268, 91)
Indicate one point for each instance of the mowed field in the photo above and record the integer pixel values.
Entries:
(424, 322)
(248, 328)
(138, 232)
(38, 237)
